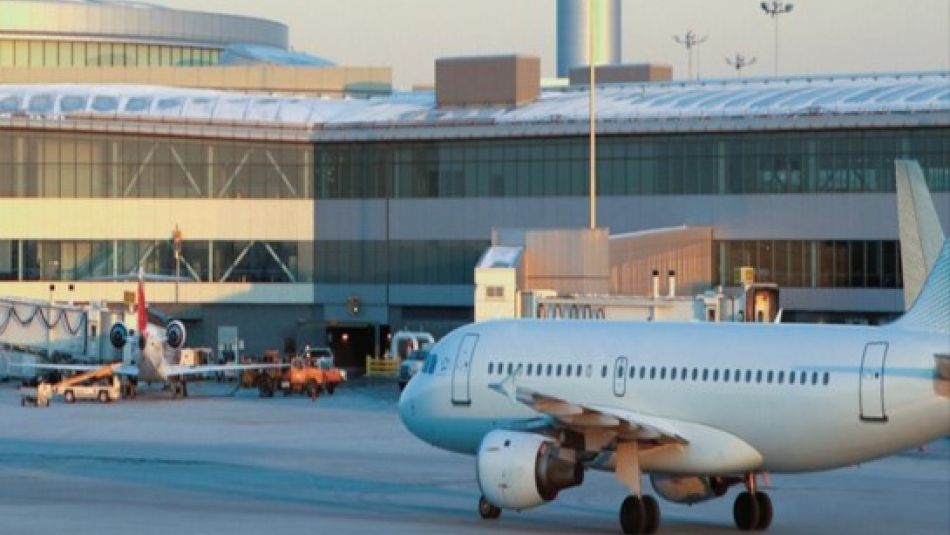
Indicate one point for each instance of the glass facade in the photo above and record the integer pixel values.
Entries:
(402, 262)
(327, 262)
(76, 165)
(94, 165)
(810, 263)
(682, 164)
(51, 53)
(71, 260)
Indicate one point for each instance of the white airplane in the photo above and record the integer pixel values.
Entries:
(698, 406)
(155, 347)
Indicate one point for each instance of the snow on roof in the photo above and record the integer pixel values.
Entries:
(718, 99)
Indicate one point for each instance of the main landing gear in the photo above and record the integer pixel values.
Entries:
(753, 508)
(180, 389)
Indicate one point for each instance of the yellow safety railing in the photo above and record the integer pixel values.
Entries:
(381, 367)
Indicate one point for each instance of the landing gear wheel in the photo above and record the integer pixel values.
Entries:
(69, 396)
(765, 511)
(745, 511)
(651, 510)
(487, 510)
(632, 515)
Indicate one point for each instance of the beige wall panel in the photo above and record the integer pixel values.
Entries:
(146, 219)
(164, 292)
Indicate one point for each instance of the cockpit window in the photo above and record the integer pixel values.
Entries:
(428, 367)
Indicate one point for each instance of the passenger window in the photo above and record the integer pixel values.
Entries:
(705, 374)
(558, 370)
(716, 375)
(652, 372)
(663, 372)
(550, 367)
(758, 376)
(578, 370)
(528, 371)
(769, 377)
(672, 374)
(826, 378)
(619, 371)
(603, 371)
(814, 378)
(491, 367)
(695, 373)
(748, 376)
(738, 375)
(511, 367)
(683, 373)
(633, 372)
(791, 378)
(803, 378)
(643, 372)
(725, 376)
(781, 377)
(567, 370)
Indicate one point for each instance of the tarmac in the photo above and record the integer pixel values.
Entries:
(236, 464)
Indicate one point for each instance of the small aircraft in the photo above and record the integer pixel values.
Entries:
(154, 345)
(698, 406)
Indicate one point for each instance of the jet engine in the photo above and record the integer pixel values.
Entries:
(175, 334)
(118, 335)
(691, 489)
(521, 470)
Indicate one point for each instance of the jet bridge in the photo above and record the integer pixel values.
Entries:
(31, 330)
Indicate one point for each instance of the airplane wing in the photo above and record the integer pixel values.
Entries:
(180, 371)
(125, 369)
(629, 425)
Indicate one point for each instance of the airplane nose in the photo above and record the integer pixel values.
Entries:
(407, 406)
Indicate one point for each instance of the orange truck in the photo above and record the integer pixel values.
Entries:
(309, 373)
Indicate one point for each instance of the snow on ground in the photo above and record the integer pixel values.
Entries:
(217, 463)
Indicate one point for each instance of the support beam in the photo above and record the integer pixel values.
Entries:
(184, 169)
(237, 261)
(280, 262)
(276, 166)
(140, 170)
(234, 174)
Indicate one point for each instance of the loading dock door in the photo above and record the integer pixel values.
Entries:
(461, 373)
(872, 382)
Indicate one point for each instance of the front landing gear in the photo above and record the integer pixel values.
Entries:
(487, 510)
(639, 514)
(752, 510)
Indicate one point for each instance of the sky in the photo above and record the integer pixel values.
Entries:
(818, 36)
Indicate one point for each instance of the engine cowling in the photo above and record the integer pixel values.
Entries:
(690, 489)
(118, 335)
(175, 334)
(521, 470)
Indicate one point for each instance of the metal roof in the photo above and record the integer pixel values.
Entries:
(671, 106)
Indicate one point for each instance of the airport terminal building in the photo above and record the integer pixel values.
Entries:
(302, 217)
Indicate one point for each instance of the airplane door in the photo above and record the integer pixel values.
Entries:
(461, 374)
(620, 376)
(872, 382)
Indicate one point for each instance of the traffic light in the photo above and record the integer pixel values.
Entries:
(353, 305)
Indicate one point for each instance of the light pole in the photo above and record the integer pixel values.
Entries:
(176, 241)
(690, 41)
(739, 62)
(592, 113)
(774, 9)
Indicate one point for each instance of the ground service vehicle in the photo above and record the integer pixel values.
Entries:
(323, 358)
(102, 389)
(411, 366)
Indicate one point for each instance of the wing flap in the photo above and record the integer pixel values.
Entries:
(629, 425)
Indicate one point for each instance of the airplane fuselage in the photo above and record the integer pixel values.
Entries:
(803, 397)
